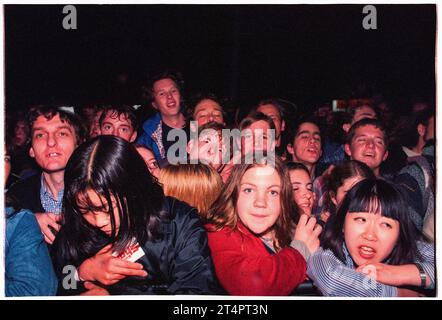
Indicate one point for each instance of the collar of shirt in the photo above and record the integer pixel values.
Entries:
(47, 200)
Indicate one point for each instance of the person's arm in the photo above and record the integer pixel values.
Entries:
(333, 278)
(244, 267)
(407, 274)
(29, 270)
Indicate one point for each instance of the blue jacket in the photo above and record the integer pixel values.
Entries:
(28, 267)
(152, 136)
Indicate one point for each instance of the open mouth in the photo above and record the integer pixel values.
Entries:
(53, 155)
(366, 252)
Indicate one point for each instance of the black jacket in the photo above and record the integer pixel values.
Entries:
(179, 263)
(26, 193)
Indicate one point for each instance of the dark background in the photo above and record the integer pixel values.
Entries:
(308, 54)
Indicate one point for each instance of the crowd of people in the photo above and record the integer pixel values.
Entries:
(179, 199)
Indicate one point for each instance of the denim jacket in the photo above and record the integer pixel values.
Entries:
(29, 270)
(152, 136)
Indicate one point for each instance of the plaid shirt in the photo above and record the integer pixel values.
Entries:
(47, 201)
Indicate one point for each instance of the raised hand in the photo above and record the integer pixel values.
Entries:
(46, 221)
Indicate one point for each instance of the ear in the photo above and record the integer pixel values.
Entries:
(132, 137)
(421, 129)
(31, 152)
(333, 199)
(154, 105)
(290, 148)
(385, 156)
(347, 149)
(346, 127)
(282, 125)
(189, 146)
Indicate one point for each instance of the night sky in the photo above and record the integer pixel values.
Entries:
(308, 54)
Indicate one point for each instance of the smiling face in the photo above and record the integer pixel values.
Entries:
(370, 237)
(53, 142)
(259, 200)
(306, 147)
(96, 212)
(118, 125)
(167, 97)
(302, 190)
(208, 110)
(368, 146)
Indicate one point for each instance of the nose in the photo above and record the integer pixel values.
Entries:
(370, 143)
(51, 140)
(260, 200)
(370, 232)
(101, 220)
(307, 194)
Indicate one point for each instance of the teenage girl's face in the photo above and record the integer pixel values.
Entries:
(100, 216)
(259, 201)
(370, 237)
(342, 190)
(302, 190)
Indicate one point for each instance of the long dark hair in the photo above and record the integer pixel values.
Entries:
(376, 196)
(112, 168)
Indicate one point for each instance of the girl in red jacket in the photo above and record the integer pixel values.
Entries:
(255, 247)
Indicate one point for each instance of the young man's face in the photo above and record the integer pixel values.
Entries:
(208, 110)
(363, 113)
(368, 146)
(53, 142)
(167, 97)
(273, 112)
(307, 145)
(118, 125)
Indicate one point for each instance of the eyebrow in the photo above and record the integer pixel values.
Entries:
(307, 131)
(251, 184)
(57, 128)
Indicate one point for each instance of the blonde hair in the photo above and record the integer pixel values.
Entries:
(196, 184)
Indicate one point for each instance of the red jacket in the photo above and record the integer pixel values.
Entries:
(244, 267)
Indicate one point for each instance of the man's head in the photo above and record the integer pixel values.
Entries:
(414, 131)
(256, 133)
(206, 108)
(165, 93)
(211, 147)
(367, 141)
(54, 136)
(273, 109)
(363, 111)
(306, 146)
(119, 121)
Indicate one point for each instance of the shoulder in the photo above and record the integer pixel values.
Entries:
(21, 222)
(180, 216)
(151, 124)
(30, 183)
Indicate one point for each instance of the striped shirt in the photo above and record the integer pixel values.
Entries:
(335, 278)
(48, 203)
